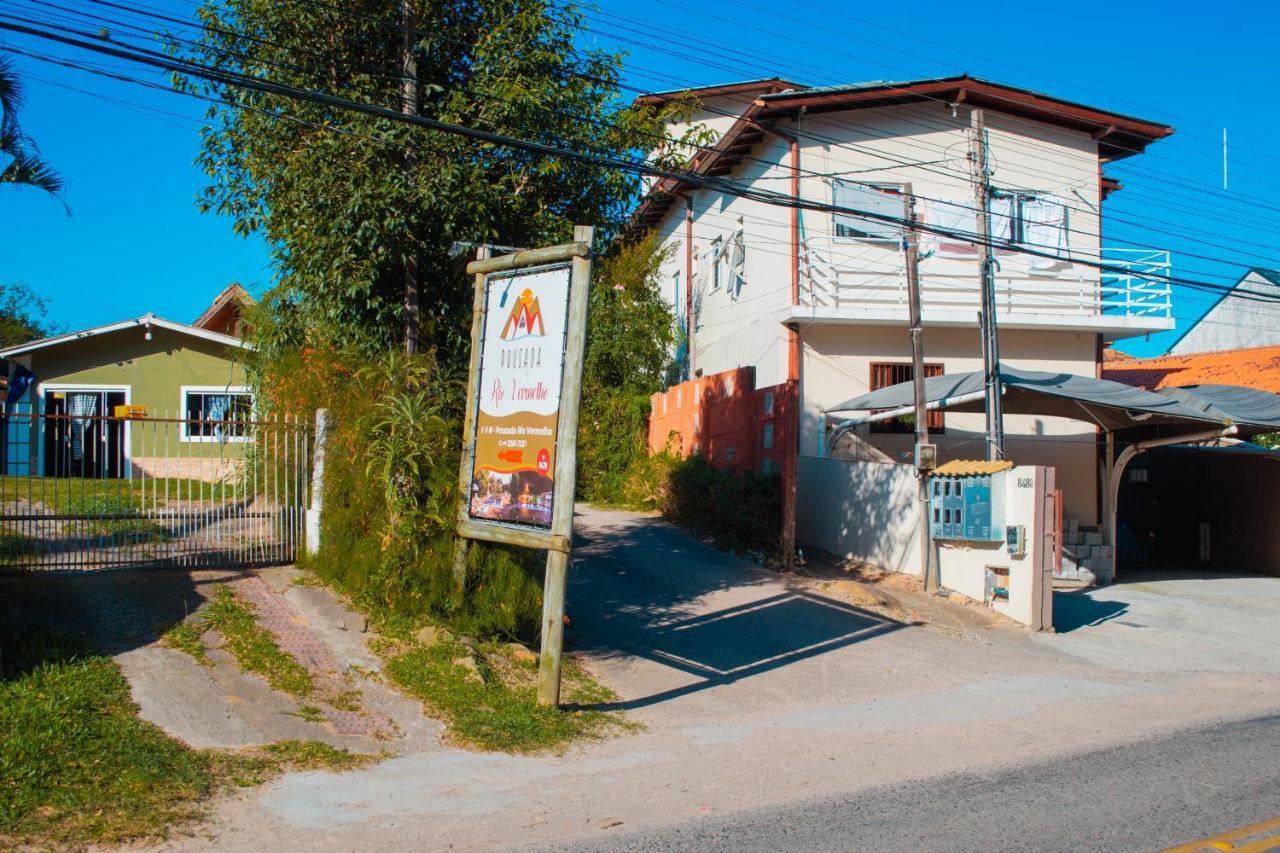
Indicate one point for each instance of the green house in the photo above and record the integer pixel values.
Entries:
(140, 396)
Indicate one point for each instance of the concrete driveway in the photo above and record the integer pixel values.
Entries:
(1165, 622)
(755, 690)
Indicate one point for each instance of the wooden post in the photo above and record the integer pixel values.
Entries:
(553, 587)
(911, 251)
(464, 476)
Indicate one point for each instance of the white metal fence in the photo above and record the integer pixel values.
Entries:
(83, 491)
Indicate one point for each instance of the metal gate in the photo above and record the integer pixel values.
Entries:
(83, 491)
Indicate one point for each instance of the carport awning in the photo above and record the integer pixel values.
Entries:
(1110, 405)
(1250, 409)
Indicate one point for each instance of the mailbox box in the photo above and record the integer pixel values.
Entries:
(967, 507)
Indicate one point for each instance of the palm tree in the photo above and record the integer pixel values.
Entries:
(25, 167)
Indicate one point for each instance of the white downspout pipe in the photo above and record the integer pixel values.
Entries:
(1117, 474)
(890, 414)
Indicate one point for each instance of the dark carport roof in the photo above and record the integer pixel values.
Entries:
(1110, 405)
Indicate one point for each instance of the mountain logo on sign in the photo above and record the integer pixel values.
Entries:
(524, 315)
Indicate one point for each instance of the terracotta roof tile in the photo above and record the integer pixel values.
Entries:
(1258, 368)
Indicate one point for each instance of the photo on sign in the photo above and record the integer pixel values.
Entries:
(518, 387)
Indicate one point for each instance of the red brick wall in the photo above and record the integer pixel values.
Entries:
(726, 419)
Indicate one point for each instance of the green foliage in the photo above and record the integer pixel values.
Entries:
(22, 315)
(77, 763)
(189, 638)
(501, 712)
(1270, 440)
(346, 200)
(739, 510)
(390, 499)
(628, 349)
(22, 163)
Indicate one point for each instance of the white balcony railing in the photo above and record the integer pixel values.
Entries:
(1134, 287)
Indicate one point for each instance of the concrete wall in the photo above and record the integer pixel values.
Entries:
(725, 419)
(836, 365)
(866, 511)
(1236, 322)
(963, 566)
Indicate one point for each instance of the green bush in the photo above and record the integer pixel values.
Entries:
(390, 503)
(739, 510)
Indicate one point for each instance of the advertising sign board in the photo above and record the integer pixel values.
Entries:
(523, 333)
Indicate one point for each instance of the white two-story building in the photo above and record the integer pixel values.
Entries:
(819, 299)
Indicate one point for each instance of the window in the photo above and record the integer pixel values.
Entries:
(884, 374)
(216, 414)
(767, 438)
(883, 199)
(768, 404)
(1029, 218)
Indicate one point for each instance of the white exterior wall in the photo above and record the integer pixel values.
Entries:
(737, 324)
(865, 511)
(836, 366)
(872, 145)
(743, 326)
(1236, 322)
(962, 566)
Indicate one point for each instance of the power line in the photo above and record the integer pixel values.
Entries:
(502, 140)
(1266, 258)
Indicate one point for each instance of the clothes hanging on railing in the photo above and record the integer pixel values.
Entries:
(80, 407)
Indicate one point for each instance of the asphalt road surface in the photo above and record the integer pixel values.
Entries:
(1146, 796)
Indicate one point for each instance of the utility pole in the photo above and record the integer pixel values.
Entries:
(924, 456)
(409, 106)
(994, 405)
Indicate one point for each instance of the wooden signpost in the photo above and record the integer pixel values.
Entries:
(519, 460)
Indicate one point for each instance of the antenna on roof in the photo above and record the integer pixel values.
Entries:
(1224, 158)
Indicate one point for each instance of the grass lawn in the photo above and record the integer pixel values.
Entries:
(501, 713)
(78, 767)
(78, 494)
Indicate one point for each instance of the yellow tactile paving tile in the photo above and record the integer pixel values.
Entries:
(1256, 838)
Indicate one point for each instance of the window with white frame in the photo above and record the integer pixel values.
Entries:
(882, 199)
(216, 414)
(1029, 218)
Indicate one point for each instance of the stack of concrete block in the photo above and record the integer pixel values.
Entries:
(1084, 557)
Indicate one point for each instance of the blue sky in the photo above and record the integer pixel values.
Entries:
(135, 241)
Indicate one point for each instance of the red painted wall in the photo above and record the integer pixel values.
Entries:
(725, 419)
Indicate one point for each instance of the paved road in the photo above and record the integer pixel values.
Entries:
(1146, 796)
(758, 693)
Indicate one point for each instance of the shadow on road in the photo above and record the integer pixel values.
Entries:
(1079, 609)
(641, 590)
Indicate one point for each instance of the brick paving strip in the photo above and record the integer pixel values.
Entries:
(273, 613)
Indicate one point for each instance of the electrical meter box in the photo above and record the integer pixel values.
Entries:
(967, 507)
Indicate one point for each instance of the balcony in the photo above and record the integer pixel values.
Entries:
(840, 283)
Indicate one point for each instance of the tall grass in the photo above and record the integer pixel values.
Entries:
(391, 492)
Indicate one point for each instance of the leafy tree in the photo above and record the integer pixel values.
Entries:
(347, 200)
(25, 167)
(629, 349)
(22, 313)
